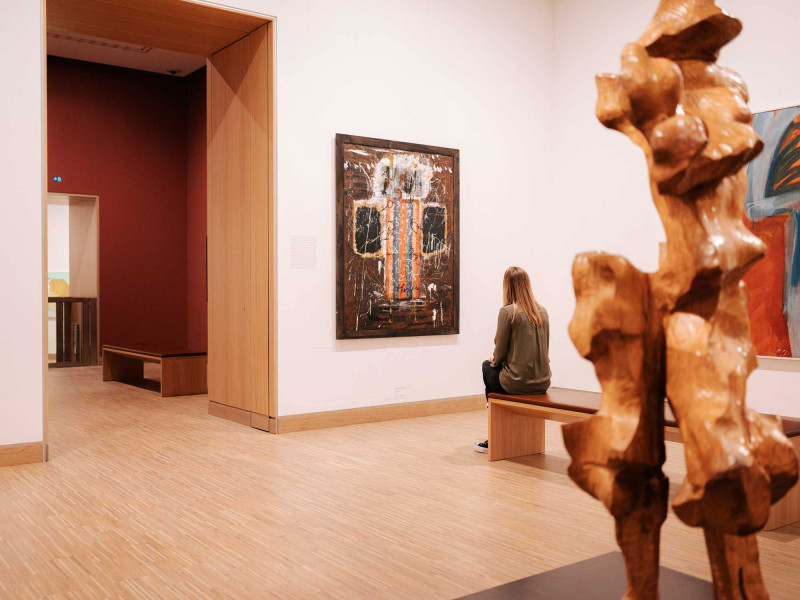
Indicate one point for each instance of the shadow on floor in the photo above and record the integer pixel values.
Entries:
(152, 385)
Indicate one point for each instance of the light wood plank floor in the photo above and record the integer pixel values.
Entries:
(149, 497)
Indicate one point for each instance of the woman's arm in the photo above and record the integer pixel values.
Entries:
(501, 338)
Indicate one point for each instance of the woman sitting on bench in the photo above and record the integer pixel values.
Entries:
(520, 364)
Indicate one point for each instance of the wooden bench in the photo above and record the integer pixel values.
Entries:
(516, 428)
(183, 372)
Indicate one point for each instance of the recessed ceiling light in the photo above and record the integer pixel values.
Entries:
(103, 43)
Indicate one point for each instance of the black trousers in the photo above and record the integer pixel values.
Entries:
(491, 379)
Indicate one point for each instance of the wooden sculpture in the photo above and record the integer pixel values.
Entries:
(682, 332)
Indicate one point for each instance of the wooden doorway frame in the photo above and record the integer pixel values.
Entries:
(174, 11)
(95, 200)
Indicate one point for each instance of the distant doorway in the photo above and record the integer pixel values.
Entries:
(72, 280)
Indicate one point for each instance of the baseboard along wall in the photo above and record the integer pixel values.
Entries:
(350, 416)
(241, 416)
(22, 454)
(374, 414)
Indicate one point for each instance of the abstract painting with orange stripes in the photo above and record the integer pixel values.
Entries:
(772, 211)
(397, 224)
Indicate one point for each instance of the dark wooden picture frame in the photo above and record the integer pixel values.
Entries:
(419, 193)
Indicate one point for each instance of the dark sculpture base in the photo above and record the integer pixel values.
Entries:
(600, 578)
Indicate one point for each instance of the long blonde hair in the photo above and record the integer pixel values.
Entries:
(517, 291)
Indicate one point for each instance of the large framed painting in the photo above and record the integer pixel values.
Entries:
(397, 239)
(772, 211)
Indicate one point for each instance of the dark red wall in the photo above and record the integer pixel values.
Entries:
(196, 209)
(122, 134)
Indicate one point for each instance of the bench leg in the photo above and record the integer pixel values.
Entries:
(121, 368)
(184, 376)
(787, 510)
(512, 434)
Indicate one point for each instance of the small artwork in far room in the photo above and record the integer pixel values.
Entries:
(397, 246)
(772, 211)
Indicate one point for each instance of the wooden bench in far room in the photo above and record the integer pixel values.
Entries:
(516, 428)
(183, 372)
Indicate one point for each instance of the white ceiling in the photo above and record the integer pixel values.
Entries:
(121, 54)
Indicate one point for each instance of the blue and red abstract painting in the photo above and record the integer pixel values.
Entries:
(772, 211)
(397, 222)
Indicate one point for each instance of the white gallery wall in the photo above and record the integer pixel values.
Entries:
(58, 238)
(508, 82)
(471, 75)
(511, 84)
(600, 193)
(21, 232)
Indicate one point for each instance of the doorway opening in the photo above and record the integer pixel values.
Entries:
(72, 280)
(224, 58)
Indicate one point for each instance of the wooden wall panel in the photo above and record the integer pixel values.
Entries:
(273, 250)
(84, 217)
(238, 224)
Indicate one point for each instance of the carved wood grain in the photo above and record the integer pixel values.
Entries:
(682, 332)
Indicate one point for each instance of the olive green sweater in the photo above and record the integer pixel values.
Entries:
(521, 347)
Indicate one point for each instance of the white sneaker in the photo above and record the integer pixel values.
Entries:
(482, 447)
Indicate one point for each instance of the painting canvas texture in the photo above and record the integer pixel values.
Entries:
(397, 228)
(772, 211)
